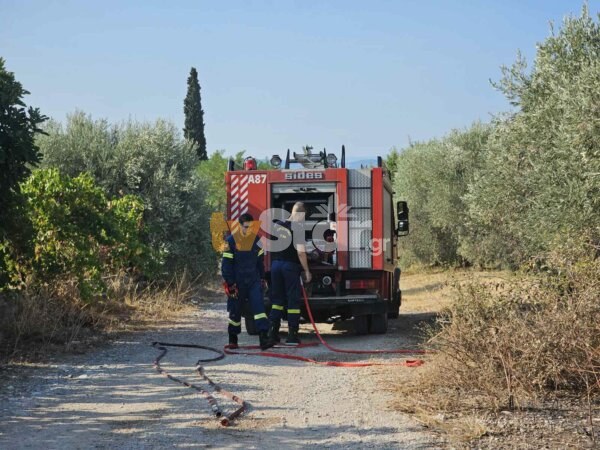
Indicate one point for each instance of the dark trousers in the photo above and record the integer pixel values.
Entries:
(285, 292)
(252, 293)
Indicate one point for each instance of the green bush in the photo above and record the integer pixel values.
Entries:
(77, 233)
(154, 163)
(18, 153)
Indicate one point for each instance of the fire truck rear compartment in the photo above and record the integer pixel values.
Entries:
(329, 298)
(352, 209)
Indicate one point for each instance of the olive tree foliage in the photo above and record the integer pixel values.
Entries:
(391, 161)
(152, 161)
(501, 194)
(541, 180)
(433, 177)
(82, 145)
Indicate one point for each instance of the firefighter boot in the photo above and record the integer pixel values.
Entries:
(274, 334)
(292, 338)
(233, 341)
(265, 342)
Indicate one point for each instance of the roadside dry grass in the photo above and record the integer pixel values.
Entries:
(45, 320)
(433, 290)
(465, 417)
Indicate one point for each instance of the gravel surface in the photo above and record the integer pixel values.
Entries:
(113, 398)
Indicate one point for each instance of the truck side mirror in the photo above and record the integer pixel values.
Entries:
(402, 214)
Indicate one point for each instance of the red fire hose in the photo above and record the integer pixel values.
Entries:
(226, 420)
(407, 363)
(413, 363)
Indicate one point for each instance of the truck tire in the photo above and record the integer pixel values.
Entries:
(361, 324)
(250, 325)
(394, 306)
(378, 323)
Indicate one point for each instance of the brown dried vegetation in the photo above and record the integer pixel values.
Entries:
(36, 318)
(525, 347)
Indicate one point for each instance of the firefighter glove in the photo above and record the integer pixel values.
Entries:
(231, 290)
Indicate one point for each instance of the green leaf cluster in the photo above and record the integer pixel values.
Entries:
(18, 153)
(151, 161)
(18, 126)
(77, 233)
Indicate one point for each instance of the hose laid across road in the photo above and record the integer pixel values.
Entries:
(243, 350)
(224, 420)
(408, 363)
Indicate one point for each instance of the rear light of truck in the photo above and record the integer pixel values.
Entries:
(362, 284)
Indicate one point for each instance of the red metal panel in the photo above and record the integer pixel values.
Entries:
(377, 217)
(246, 193)
(257, 193)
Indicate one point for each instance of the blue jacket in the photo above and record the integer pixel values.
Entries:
(242, 267)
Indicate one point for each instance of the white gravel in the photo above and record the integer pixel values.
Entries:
(113, 398)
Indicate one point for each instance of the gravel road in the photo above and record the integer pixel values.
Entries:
(113, 398)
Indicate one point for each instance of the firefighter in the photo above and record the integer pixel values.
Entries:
(243, 272)
(286, 267)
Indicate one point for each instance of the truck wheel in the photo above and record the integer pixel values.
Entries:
(378, 323)
(250, 325)
(361, 324)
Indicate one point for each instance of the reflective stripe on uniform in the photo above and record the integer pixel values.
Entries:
(277, 307)
(293, 311)
(235, 324)
(227, 255)
(261, 251)
(260, 316)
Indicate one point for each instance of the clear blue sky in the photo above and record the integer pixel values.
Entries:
(277, 74)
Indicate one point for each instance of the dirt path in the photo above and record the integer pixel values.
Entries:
(113, 398)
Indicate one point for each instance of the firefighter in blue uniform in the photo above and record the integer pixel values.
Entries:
(243, 270)
(286, 267)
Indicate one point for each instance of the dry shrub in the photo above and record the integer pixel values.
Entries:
(40, 315)
(151, 302)
(529, 341)
(524, 338)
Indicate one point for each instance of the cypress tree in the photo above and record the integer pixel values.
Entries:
(194, 116)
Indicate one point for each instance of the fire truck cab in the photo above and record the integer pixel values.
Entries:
(351, 231)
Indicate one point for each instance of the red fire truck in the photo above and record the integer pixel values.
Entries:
(351, 231)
